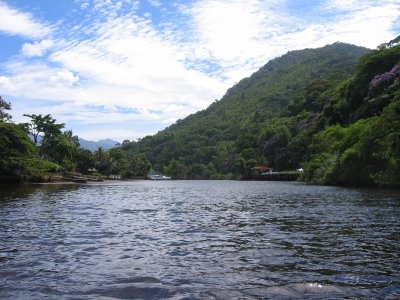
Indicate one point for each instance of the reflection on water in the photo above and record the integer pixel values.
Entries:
(198, 240)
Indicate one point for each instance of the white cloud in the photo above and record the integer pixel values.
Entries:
(14, 22)
(37, 48)
(5, 85)
(231, 31)
(84, 5)
(155, 3)
(369, 27)
(128, 59)
(355, 5)
(64, 78)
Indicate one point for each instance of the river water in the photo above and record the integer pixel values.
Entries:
(198, 240)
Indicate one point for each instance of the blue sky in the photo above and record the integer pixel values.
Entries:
(124, 69)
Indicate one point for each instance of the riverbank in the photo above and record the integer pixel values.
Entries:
(277, 176)
(61, 180)
(67, 182)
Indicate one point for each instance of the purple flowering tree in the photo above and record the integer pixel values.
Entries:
(382, 80)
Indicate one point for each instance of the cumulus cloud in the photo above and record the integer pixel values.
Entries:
(14, 22)
(64, 78)
(37, 48)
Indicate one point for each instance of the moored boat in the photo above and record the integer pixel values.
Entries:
(159, 177)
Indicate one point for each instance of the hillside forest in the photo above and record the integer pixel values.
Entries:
(332, 111)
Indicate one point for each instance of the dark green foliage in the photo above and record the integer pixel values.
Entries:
(37, 169)
(354, 99)
(138, 166)
(84, 160)
(386, 148)
(55, 145)
(17, 154)
(15, 148)
(365, 148)
(4, 105)
(44, 125)
(343, 155)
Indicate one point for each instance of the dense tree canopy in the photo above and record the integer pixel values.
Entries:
(15, 147)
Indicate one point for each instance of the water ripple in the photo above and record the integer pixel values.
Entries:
(198, 240)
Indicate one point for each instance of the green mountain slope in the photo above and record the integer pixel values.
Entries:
(269, 90)
(272, 117)
(361, 143)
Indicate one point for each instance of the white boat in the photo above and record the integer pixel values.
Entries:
(159, 177)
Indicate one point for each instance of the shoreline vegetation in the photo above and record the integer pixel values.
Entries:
(80, 178)
(332, 112)
(59, 179)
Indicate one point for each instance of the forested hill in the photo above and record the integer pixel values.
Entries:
(283, 115)
(264, 94)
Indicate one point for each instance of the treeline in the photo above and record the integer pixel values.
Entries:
(333, 111)
(34, 150)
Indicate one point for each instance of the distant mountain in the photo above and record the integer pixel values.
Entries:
(89, 145)
(93, 146)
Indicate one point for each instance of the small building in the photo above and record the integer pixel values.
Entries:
(259, 170)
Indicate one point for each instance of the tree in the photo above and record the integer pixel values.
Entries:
(175, 169)
(4, 117)
(102, 161)
(386, 134)
(394, 42)
(15, 148)
(118, 160)
(46, 126)
(61, 149)
(74, 138)
(138, 165)
(84, 160)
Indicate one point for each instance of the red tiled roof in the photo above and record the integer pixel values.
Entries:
(262, 168)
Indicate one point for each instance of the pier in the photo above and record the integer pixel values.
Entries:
(281, 176)
(263, 173)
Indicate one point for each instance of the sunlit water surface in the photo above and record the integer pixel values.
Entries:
(198, 240)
